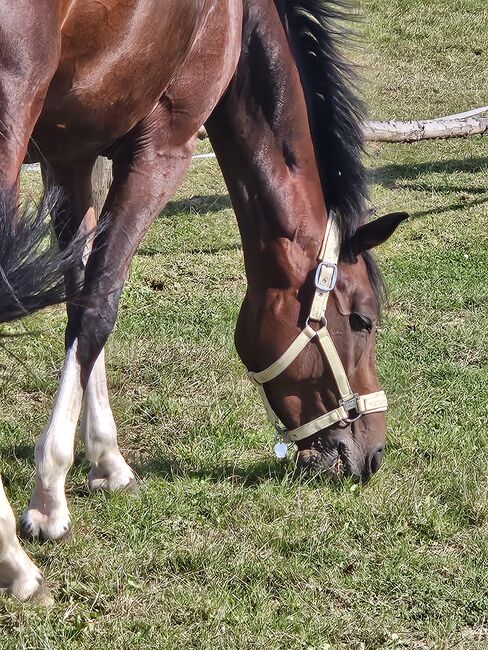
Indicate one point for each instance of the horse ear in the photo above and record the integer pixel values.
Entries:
(375, 232)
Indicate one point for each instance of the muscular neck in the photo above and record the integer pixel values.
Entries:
(261, 136)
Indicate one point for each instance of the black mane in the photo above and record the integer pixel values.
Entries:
(316, 31)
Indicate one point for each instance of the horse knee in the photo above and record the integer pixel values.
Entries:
(95, 326)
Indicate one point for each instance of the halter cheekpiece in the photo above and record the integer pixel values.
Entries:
(351, 405)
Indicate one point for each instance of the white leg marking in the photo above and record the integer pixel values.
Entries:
(47, 514)
(108, 468)
(19, 576)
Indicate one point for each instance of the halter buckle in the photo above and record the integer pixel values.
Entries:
(321, 286)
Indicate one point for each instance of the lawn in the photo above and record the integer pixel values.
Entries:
(223, 548)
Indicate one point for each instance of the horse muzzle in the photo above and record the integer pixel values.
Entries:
(337, 455)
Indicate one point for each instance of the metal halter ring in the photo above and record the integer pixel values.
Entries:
(351, 420)
(322, 321)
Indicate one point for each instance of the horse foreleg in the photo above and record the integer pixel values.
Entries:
(97, 430)
(109, 471)
(47, 515)
(145, 177)
(19, 576)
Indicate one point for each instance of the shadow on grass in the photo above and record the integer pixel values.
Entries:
(399, 177)
(247, 475)
(210, 250)
(10, 455)
(453, 207)
(17, 452)
(443, 189)
(389, 174)
(213, 250)
(25, 451)
(250, 475)
(198, 204)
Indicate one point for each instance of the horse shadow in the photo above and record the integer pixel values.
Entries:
(164, 468)
(388, 175)
(197, 204)
(247, 475)
(250, 474)
(404, 175)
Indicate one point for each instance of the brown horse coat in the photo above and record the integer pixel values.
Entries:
(134, 80)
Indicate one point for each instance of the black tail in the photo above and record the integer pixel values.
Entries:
(31, 264)
(317, 31)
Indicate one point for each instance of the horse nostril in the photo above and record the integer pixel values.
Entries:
(377, 459)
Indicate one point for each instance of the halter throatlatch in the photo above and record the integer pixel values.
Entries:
(351, 405)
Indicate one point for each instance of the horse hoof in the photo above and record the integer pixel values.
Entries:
(36, 525)
(116, 481)
(32, 590)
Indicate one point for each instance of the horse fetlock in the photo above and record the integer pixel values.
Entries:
(19, 576)
(40, 594)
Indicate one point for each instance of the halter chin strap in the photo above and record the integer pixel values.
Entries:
(325, 281)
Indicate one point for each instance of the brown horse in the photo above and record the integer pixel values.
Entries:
(133, 80)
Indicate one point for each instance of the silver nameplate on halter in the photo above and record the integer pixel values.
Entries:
(351, 403)
(326, 276)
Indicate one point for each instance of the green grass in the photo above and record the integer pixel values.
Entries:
(222, 548)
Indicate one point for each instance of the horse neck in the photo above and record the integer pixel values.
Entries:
(261, 135)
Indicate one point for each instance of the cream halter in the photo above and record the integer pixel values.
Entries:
(325, 281)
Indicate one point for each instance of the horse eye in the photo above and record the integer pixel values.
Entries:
(360, 323)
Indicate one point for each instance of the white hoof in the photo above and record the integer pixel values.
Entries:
(32, 589)
(121, 479)
(34, 523)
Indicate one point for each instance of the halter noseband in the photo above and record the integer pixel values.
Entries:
(325, 281)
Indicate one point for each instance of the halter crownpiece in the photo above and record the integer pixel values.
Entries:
(325, 281)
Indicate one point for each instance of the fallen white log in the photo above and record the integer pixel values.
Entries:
(418, 130)
(460, 125)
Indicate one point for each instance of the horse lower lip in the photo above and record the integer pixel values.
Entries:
(333, 463)
(340, 458)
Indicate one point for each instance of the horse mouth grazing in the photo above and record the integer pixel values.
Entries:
(333, 464)
(337, 460)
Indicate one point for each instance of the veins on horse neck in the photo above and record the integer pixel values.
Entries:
(279, 264)
(285, 251)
